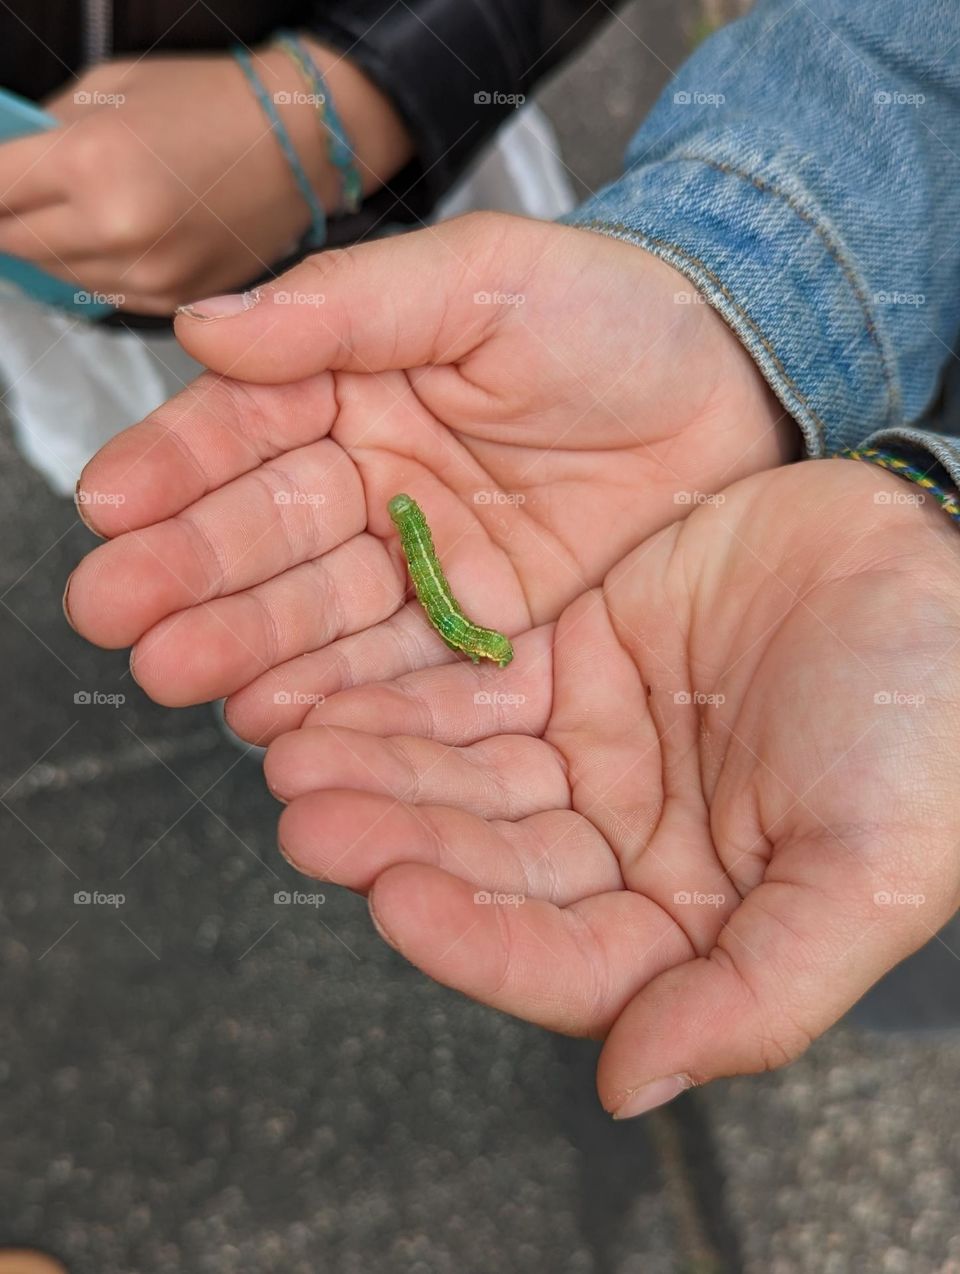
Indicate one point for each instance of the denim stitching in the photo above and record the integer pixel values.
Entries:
(834, 249)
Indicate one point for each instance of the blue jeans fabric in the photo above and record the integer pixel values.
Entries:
(803, 171)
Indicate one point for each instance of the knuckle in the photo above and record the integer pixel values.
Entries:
(85, 150)
(322, 267)
(120, 220)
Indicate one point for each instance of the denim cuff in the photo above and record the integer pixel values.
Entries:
(936, 454)
(766, 257)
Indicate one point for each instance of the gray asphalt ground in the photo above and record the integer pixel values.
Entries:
(202, 1080)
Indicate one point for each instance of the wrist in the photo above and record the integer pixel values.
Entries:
(380, 139)
(291, 96)
(901, 464)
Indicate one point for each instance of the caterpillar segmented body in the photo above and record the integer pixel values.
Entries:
(433, 591)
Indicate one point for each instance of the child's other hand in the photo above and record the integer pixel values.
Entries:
(165, 181)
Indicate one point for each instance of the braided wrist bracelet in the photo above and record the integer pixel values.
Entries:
(339, 148)
(948, 500)
(316, 236)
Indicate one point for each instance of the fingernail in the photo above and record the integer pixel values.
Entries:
(79, 502)
(226, 306)
(378, 925)
(287, 857)
(65, 603)
(649, 1096)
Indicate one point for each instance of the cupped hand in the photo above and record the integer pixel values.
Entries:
(549, 396)
(698, 816)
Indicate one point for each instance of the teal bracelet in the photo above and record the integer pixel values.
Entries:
(338, 143)
(316, 236)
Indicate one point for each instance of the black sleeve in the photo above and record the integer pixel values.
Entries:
(453, 70)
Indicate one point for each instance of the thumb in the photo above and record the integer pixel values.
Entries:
(791, 961)
(395, 303)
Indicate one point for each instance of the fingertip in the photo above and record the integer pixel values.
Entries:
(233, 335)
(650, 1096)
(378, 921)
(82, 505)
(93, 604)
(65, 601)
(314, 830)
(180, 660)
(244, 714)
(279, 765)
(428, 913)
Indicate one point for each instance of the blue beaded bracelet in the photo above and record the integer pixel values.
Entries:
(338, 143)
(316, 236)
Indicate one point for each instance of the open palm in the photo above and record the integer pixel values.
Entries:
(547, 395)
(700, 814)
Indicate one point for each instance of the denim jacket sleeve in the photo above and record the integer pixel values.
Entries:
(803, 170)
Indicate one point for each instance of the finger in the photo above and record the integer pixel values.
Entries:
(509, 776)
(46, 236)
(211, 432)
(350, 838)
(792, 959)
(100, 280)
(569, 969)
(279, 700)
(454, 703)
(298, 507)
(31, 171)
(396, 303)
(603, 718)
(210, 650)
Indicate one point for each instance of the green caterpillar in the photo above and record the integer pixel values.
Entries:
(433, 591)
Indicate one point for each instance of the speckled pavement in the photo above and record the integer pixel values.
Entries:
(196, 1077)
(201, 1079)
